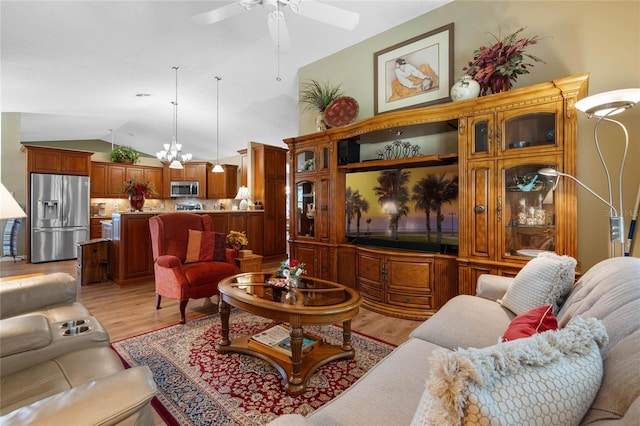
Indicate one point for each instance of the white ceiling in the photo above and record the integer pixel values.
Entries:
(73, 69)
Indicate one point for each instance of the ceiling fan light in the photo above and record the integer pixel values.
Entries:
(166, 147)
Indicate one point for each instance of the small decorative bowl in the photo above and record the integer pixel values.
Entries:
(277, 282)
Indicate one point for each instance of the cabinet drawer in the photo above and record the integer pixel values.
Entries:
(370, 293)
(409, 300)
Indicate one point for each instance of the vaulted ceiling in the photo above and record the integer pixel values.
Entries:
(76, 69)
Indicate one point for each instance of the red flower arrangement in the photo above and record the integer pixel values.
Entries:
(497, 66)
(137, 189)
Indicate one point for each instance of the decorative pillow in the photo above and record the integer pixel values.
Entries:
(547, 379)
(531, 322)
(220, 247)
(544, 280)
(204, 246)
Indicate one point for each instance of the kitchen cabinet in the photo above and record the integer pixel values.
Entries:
(95, 227)
(222, 185)
(192, 171)
(58, 161)
(269, 187)
(130, 256)
(107, 178)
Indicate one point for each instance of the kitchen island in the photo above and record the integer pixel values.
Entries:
(130, 256)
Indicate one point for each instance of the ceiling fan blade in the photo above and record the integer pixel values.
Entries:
(278, 30)
(329, 14)
(220, 14)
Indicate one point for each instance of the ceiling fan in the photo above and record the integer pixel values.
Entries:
(322, 12)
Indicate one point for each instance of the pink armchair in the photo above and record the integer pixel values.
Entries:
(179, 280)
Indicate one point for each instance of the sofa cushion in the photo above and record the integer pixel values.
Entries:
(23, 333)
(619, 388)
(552, 377)
(531, 322)
(45, 379)
(465, 321)
(544, 280)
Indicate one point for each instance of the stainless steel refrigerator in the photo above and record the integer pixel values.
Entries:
(59, 216)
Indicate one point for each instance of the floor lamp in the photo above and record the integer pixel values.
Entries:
(601, 107)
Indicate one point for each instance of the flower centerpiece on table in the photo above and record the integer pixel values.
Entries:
(495, 67)
(291, 268)
(236, 240)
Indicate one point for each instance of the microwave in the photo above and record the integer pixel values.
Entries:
(185, 189)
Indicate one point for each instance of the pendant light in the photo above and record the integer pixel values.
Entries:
(217, 168)
(173, 152)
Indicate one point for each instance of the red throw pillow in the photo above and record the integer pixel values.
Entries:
(200, 246)
(531, 322)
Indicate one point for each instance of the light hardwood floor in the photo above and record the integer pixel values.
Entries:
(129, 311)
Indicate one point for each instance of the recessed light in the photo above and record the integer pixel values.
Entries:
(142, 95)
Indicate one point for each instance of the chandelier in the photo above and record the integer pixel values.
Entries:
(172, 152)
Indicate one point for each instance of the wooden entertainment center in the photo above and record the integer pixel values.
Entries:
(507, 212)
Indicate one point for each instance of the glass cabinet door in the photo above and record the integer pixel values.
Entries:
(306, 208)
(521, 129)
(481, 143)
(526, 212)
(305, 161)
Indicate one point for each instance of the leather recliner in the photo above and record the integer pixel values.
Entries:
(173, 277)
(54, 370)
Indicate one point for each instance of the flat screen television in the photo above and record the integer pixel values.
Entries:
(409, 209)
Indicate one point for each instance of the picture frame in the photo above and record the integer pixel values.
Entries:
(428, 55)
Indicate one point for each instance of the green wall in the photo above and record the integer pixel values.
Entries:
(598, 37)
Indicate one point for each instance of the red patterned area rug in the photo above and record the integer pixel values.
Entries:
(198, 386)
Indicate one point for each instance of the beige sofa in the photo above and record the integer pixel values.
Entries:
(393, 391)
(56, 366)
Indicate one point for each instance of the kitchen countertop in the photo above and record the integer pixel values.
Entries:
(154, 212)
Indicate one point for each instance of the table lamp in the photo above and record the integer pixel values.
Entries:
(243, 195)
(9, 207)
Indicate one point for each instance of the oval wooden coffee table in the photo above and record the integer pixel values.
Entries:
(319, 302)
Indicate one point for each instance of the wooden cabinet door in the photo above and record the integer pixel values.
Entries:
(481, 206)
(255, 231)
(220, 222)
(237, 221)
(45, 161)
(74, 163)
(307, 254)
(153, 175)
(136, 173)
(116, 176)
(98, 180)
(223, 185)
(61, 161)
(137, 247)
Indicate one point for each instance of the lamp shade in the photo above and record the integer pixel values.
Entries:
(609, 103)
(244, 195)
(9, 207)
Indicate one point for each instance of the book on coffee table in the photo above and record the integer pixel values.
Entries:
(272, 336)
(281, 349)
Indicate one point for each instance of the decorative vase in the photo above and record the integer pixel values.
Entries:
(291, 298)
(465, 88)
(136, 202)
(294, 281)
(500, 83)
(321, 125)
